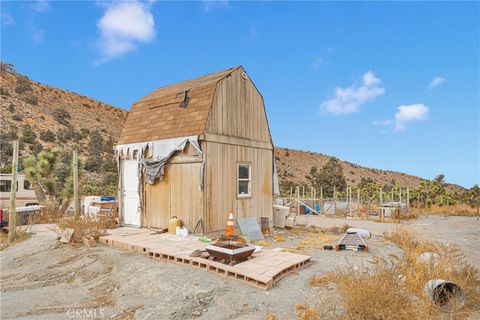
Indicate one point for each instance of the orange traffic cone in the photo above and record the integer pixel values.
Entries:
(230, 229)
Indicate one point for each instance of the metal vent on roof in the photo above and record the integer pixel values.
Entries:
(185, 97)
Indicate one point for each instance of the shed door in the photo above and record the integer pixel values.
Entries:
(131, 200)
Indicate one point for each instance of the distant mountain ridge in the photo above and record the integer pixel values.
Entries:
(58, 117)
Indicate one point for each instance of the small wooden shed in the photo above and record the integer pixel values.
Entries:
(196, 150)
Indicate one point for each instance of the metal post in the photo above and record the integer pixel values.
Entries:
(76, 195)
(12, 223)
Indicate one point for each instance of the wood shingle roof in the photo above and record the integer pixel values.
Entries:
(176, 110)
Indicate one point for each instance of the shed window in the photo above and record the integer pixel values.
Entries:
(244, 174)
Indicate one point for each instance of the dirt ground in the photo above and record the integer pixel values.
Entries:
(42, 279)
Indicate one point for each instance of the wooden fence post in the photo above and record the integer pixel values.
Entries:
(12, 216)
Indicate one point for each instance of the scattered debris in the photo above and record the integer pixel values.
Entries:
(89, 241)
(365, 234)
(351, 241)
(67, 235)
(250, 229)
(446, 295)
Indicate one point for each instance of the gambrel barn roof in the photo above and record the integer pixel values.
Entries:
(177, 110)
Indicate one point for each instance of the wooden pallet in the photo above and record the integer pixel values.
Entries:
(263, 270)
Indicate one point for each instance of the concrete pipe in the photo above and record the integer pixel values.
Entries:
(446, 295)
(365, 234)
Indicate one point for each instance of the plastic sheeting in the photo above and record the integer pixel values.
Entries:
(162, 151)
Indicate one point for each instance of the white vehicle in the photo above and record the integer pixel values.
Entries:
(25, 194)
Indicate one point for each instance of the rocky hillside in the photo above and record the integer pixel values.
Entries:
(43, 116)
(294, 165)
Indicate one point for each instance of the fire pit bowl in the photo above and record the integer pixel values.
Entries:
(231, 249)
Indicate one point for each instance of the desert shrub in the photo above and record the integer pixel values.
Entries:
(47, 136)
(36, 147)
(84, 132)
(11, 108)
(6, 67)
(28, 136)
(31, 100)
(4, 92)
(84, 226)
(62, 116)
(23, 85)
(93, 164)
(17, 117)
(68, 134)
(99, 187)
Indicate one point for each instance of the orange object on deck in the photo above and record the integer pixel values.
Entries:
(230, 229)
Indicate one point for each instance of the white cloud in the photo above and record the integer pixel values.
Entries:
(318, 62)
(208, 5)
(123, 26)
(40, 5)
(7, 19)
(37, 35)
(410, 113)
(348, 100)
(436, 82)
(382, 122)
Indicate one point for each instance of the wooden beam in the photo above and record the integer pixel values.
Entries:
(219, 138)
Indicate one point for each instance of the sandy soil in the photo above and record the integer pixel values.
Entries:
(42, 279)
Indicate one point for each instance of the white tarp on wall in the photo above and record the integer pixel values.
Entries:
(161, 151)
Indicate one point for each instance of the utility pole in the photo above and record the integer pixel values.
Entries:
(76, 195)
(12, 223)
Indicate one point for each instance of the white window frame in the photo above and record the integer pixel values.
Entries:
(249, 195)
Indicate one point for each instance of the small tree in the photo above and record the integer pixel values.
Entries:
(331, 175)
(51, 179)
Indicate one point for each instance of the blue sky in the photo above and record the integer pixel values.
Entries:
(390, 85)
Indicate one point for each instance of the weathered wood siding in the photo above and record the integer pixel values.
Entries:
(178, 194)
(221, 182)
(237, 131)
(238, 110)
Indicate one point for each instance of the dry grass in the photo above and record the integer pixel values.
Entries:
(312, 241)
(453, 210)
(306, 312)
(271, 316)
(22, 233)
(395, 289)
(84, 226)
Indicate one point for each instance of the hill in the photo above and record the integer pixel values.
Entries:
(294, 165)
(44, 116)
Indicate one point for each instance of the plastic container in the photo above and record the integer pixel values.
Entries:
(317, 207)
(178, 231)
(173, 223)
(365, 234)
(184, 232)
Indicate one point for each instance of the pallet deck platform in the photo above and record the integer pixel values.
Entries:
(262, 270)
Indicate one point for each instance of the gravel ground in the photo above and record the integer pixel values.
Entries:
(42, 279)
